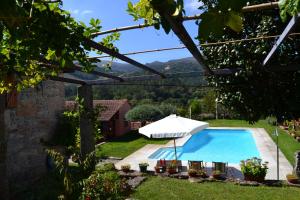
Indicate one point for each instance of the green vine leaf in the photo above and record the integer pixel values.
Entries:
(288, 8)
(235, 22)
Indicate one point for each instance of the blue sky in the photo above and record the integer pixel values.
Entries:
(112, 14)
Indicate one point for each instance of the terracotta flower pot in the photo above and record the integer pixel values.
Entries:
(254, 178)
(292, 179)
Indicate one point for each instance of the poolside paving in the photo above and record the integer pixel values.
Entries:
(264, 143)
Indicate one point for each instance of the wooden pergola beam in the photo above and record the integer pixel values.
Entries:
(285, 33)
(252, 8)
(67, 80)
(79, 68)
(75, 67)
(115, 54)
(262, 6)
(183, 35)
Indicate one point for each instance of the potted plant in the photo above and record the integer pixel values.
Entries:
(291, 178)
(143, 167)
(202, 174)
(192, 173)
(254, 170)
(217, 174)
(125, 168)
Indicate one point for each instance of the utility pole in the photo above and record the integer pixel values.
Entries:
(216, 108)
(277, 154)
(277, 151)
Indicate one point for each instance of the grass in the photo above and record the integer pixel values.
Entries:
(287, 144)
(167, 188)
(127, 144)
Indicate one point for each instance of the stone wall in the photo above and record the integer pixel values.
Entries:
(3, 179)
(27, 126)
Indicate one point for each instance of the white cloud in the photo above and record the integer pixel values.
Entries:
(194, 5)
(74, 12)
(86, 12)
(81, 13)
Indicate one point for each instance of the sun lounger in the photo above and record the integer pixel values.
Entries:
(197, 165)
(220, 166)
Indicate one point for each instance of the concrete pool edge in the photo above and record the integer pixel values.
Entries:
(264, 143)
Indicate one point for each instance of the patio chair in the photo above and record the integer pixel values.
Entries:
(160, 166)
(220, 166)
(178, 164)
(197, 165)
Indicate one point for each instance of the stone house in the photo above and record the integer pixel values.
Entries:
(112, 116)
(27, 119)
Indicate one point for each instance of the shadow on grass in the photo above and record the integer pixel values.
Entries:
(131, 136)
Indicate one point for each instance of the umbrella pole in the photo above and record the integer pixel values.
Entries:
(175, 149)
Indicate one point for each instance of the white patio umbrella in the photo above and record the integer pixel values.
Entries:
(173, 127)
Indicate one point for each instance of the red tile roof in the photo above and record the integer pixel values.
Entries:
(110, 107)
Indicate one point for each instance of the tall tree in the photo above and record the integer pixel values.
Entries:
(257, 91)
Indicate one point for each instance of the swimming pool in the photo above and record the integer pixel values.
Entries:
(219, 145)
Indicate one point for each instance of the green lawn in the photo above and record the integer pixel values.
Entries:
(287, 144)
(124, 146)
(167, 188)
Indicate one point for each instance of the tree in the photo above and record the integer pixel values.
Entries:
(289, 8)
(39, 39)
(167, 109)
(144, 113)
(195, 106)
(257, 91)
(209, 102)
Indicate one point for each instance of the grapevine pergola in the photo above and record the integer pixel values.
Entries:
(178, 29)
(176, 23)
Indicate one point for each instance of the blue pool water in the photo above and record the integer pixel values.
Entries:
(219, 145)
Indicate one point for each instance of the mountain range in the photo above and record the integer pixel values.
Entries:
(188, 64)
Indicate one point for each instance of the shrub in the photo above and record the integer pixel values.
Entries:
(144, 164)
(107, 167)
(272, 120)
(192, 172)
(106, 185)
(254, 170)
(67, 128)
(144, 113)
